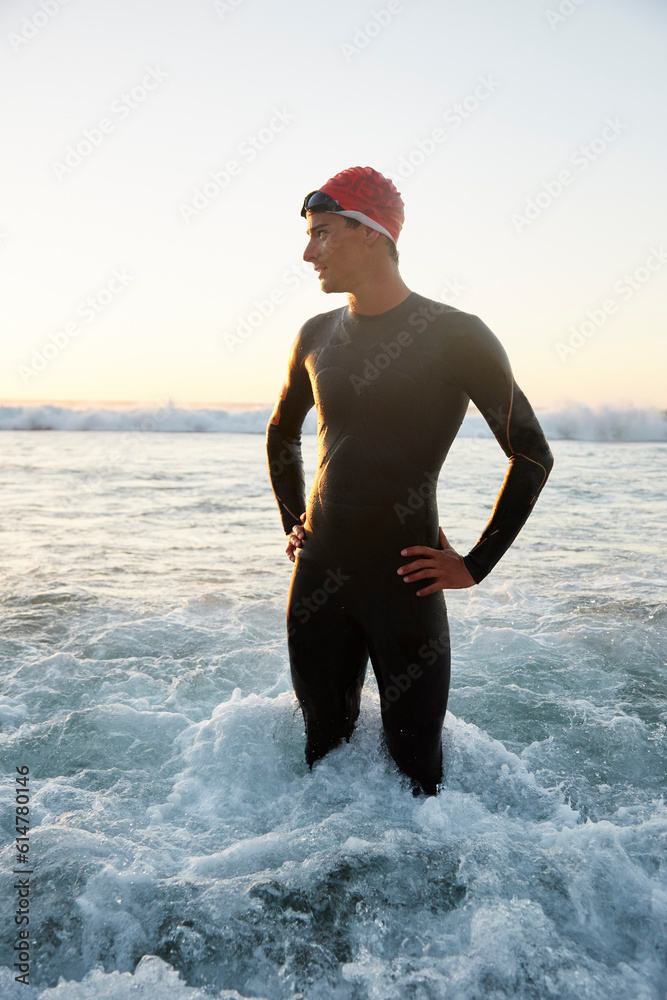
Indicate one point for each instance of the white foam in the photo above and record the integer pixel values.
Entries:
(574, 422)
(151, 979)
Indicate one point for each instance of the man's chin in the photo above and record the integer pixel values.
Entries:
(328, 285)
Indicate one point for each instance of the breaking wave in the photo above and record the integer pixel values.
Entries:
(571, 423)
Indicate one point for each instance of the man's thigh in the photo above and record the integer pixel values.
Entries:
(327, 646)
(410, 652)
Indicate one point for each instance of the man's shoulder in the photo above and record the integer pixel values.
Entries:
(444, 317)
(319, 325)
(436, 306)
(464, 338)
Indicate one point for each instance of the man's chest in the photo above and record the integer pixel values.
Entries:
(380, 373)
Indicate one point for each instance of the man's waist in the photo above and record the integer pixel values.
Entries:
(374, 522)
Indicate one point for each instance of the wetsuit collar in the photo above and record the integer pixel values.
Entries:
(362, 320)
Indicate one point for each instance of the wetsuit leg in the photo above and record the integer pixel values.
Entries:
(328, 658)
(410, 652)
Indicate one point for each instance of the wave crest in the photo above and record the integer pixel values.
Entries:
(575, 422)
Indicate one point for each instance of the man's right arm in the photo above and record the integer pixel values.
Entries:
(283, 438)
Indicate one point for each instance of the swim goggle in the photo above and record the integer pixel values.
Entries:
(318, 201)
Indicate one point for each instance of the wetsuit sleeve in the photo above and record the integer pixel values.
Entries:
(485, 374)
(283, 438)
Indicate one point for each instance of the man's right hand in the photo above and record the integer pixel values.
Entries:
(295, 539)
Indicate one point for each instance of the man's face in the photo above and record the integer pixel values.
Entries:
(334, 251)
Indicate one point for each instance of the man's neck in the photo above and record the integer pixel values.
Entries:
(379, 297)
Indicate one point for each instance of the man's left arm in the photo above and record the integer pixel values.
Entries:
(482, 369)
(486, 376)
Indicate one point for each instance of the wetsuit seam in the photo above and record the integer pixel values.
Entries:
(296, 518)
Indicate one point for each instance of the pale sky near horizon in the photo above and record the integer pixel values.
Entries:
(540, 207)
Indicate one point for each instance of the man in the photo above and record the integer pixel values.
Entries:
(391, 375)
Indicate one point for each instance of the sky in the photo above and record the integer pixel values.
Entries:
(157, 154)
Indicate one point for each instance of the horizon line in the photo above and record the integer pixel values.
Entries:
(123, 404)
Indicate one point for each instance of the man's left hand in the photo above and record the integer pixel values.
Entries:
(445, 564)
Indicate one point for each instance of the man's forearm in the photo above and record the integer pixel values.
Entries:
(283, 438)
(286, 471)
(530, 464)
(522, 486)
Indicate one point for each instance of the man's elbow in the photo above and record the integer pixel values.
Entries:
(274, 442)
(538, 462)
(536, 447)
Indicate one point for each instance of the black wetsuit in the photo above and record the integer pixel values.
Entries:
(391, 392)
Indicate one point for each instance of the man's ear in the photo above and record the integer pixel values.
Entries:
(371, 235)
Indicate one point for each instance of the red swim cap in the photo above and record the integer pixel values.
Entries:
(368, 197)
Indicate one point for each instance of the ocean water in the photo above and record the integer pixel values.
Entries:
(179, 847)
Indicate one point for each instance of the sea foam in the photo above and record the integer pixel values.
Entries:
(574, 422)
